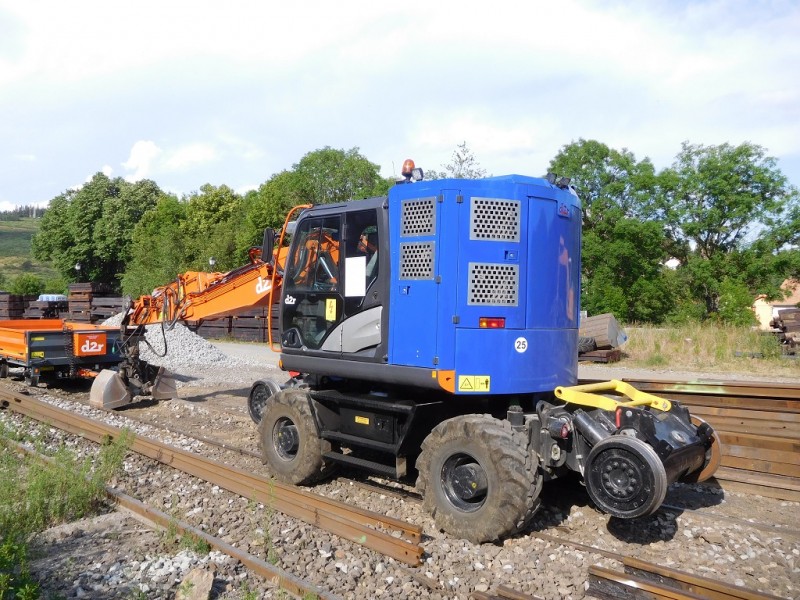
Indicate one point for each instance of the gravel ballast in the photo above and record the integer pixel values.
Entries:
(130, 559)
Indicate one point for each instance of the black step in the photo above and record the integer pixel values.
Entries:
(355, 440)
(362, 463)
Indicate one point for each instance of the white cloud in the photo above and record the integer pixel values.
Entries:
(189, 156)
(142, 156)
(233, 93)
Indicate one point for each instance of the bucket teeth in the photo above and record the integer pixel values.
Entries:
(109, 391)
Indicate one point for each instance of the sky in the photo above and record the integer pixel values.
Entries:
(189, 93)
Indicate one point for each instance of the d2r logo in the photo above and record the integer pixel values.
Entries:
(89, 344)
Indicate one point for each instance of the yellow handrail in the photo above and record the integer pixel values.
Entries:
(587, 395)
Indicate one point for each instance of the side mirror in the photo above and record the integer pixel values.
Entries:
(268, 245)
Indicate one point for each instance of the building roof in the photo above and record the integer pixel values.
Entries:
(792, 285)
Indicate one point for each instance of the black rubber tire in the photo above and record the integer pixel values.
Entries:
(511, 474)
(3, 369)
(304, 463)
(257, 400)
(625, 477)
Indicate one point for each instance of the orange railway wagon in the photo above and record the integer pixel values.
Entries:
(57, 348)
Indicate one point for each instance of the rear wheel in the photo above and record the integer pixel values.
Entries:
(478, 482)
(290, 445)
(3, 370)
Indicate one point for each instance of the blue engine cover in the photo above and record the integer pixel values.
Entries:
(497, 248)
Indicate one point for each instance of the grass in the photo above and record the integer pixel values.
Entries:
(39, 494)
(707, 347)
(15, 250)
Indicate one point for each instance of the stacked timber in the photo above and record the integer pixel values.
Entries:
(254, 325)
(104, 307)
(787, 327)
(12, 306)
(80, 300)
(214, 329)
(47, 306)
(250, 325)
(600, 339)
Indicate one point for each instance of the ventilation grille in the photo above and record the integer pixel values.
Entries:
(418, 217)
(494, 219)
(493, 285)
(416, 260)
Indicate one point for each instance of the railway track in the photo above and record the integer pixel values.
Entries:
(391, 537)
(156, 518)
(501, 591)
(759, 426)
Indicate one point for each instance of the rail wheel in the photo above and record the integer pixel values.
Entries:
(625, 477)
(290, 445)
(259, 394)
(477, 480)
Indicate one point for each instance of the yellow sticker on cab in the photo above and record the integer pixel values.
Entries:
(362, 420)
(474, 383)
(330, 309)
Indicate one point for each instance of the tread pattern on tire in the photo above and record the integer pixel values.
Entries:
(309, 466)
(504, 514)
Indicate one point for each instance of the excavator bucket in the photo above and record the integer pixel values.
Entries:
(109, 391)
(164, 387)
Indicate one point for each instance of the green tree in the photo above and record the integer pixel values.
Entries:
(462, 165)
(622, 253)
(267, 207)
(328, 175)
(731, 217)
(206, 212)
(27, 284)
(158, 248)
(91, 226)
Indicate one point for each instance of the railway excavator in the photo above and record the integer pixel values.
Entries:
(432, 334)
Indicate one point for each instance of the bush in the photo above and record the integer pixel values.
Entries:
(27, 285)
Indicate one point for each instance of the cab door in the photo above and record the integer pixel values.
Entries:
(313, 299)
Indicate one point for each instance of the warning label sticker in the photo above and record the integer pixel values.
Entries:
(474, 383)
(330, 309)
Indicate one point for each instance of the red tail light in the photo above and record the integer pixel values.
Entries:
(492, 322)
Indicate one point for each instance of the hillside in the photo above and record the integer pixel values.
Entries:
(15, 250)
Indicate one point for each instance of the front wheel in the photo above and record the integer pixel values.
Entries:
(625, 477)
(478, 482)
(290, 446)
(257, 400)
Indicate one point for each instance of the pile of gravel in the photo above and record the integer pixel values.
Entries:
(179, 350)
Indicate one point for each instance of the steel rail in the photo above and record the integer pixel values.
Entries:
(155, 518)
(502, 592)
(370, 486)
(366, 528)
(647, 580)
